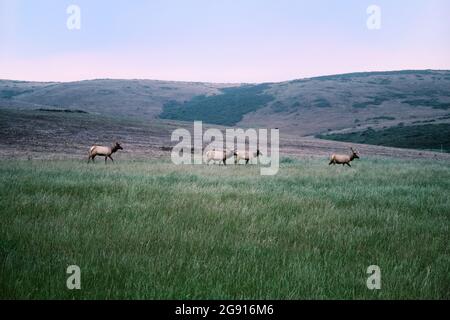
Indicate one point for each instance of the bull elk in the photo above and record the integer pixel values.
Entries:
(103, 151)
(246, 155)
(344, 159)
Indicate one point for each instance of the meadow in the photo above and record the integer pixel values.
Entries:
(153, 230)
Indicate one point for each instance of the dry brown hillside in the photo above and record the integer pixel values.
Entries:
(61, 135)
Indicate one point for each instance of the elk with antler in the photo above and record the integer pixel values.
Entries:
(344, 159)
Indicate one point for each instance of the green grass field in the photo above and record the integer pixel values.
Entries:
(153, 230)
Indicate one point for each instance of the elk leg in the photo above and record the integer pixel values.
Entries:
(106, 158)
(246, 161)
(348, 164)
(111, 159)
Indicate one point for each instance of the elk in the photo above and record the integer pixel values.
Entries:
(220, 156)
(103, 151)
(246, 155)
(344, 159)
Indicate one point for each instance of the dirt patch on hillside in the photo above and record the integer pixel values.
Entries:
(34, 135)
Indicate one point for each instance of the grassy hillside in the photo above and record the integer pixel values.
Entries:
(227, 108)
(139, 98)
(228, 233)
(426, 136)
(305, 107)
(318, 105)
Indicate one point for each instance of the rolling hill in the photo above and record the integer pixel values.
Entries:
(138, 98)
(354, 101)
(337, 105)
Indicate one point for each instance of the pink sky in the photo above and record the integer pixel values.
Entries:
(219, 42)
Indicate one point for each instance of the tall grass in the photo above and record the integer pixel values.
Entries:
(153, 230)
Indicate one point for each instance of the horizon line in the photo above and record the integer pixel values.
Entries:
(233, 83)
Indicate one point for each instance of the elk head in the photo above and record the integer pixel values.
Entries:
(355, 154)
(117, 146)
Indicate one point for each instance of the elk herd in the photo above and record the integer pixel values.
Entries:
(220, 155)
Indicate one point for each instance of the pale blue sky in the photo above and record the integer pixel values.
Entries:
(219, 40)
